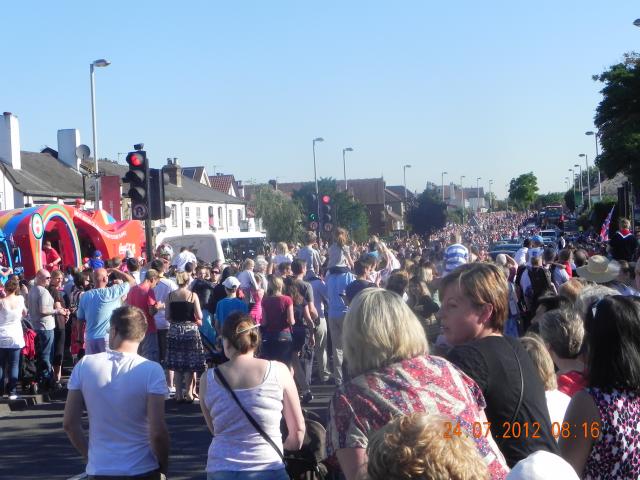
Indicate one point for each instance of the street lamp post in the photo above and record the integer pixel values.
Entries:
(462, 177)
(315, 179)
(404, 174)
(478, 193)
(580, 184)
(443, 174)
(566, 182)
(97, 63)
(573, 182)
(595, 135)
(586, 161)
(344, 165)
(490, 196)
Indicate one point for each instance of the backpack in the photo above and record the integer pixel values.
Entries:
(541, 284)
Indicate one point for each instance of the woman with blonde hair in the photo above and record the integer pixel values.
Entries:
(282, 255)
(185, 353)
(277, 320)
(557, 402)
(416, 447)
(244, 387)
(395, 375)
(475, 306)
(339, 254)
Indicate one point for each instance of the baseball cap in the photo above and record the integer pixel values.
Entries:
(97, 253)
(231, 283)
(537, 238)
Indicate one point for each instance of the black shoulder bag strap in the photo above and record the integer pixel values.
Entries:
(252, 420)
(517, 411)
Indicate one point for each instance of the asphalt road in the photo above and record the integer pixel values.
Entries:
(34, 446)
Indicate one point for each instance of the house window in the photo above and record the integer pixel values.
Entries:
(211, 219)
(220, 217)
(239, 217)
(186, 212)
(174, 215)
(187, 221)
(230, 218)
(197, 213)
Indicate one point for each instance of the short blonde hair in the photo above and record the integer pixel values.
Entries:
(248, 264)
(625, 223)
(414, 447)
(482, 283)
(182, 278)
(274, 285)
(281, 248)
(571, 288)
(539, 354)
(382, 321)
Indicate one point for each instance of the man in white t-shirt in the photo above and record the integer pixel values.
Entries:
(124, 396)
(184, 257)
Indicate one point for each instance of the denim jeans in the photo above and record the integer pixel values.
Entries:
(11, 358)
(149, 347)
(280, 474)
(45, 352)
(277, 346)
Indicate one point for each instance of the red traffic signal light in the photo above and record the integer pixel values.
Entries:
(326, 199)
(135, 159)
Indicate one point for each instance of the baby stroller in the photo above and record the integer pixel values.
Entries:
(28, 360)
(306, 463)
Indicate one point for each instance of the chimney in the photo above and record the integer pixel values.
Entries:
(452, 192)
(68, 141)
(10, 140)
(173, 171)
(240, 188)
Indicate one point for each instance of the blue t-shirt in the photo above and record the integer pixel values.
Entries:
(336, 286)
(227, 306)
(96, 307)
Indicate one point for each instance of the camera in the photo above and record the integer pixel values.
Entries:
(138, 146)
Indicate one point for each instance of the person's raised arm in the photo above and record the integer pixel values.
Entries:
(158, 432)
(123, 276)
(72, 422)
(291, 410)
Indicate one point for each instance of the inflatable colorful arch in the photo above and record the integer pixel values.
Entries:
(74, 233)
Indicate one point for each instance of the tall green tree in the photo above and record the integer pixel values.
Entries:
(280, 215)
(618, 118)
(523, 190)
(570, 200)
(428, 214)
(347, 212)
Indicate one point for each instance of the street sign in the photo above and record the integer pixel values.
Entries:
(328, 227)
(313, 226)
(139, 212)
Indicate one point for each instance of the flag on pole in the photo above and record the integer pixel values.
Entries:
(604, 231)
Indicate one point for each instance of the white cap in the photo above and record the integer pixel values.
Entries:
(231, 283)
(542, 465)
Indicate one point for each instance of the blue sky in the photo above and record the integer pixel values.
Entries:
(483, 89)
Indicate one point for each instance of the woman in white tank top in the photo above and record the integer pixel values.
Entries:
(267, 391)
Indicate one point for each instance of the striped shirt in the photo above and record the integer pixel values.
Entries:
(454, 256)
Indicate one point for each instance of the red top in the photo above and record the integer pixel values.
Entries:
(571, 382)
(51, 256)
(274, 313)
(142, 296)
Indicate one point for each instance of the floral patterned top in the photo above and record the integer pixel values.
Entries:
(616, 452)
(422, 384)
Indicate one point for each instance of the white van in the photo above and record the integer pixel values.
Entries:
(225, 247)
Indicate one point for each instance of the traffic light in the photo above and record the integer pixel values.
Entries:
(326, 209)
(312, 207)
(157, 180)
(138, 179)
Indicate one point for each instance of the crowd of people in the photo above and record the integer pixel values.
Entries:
(447, 362)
